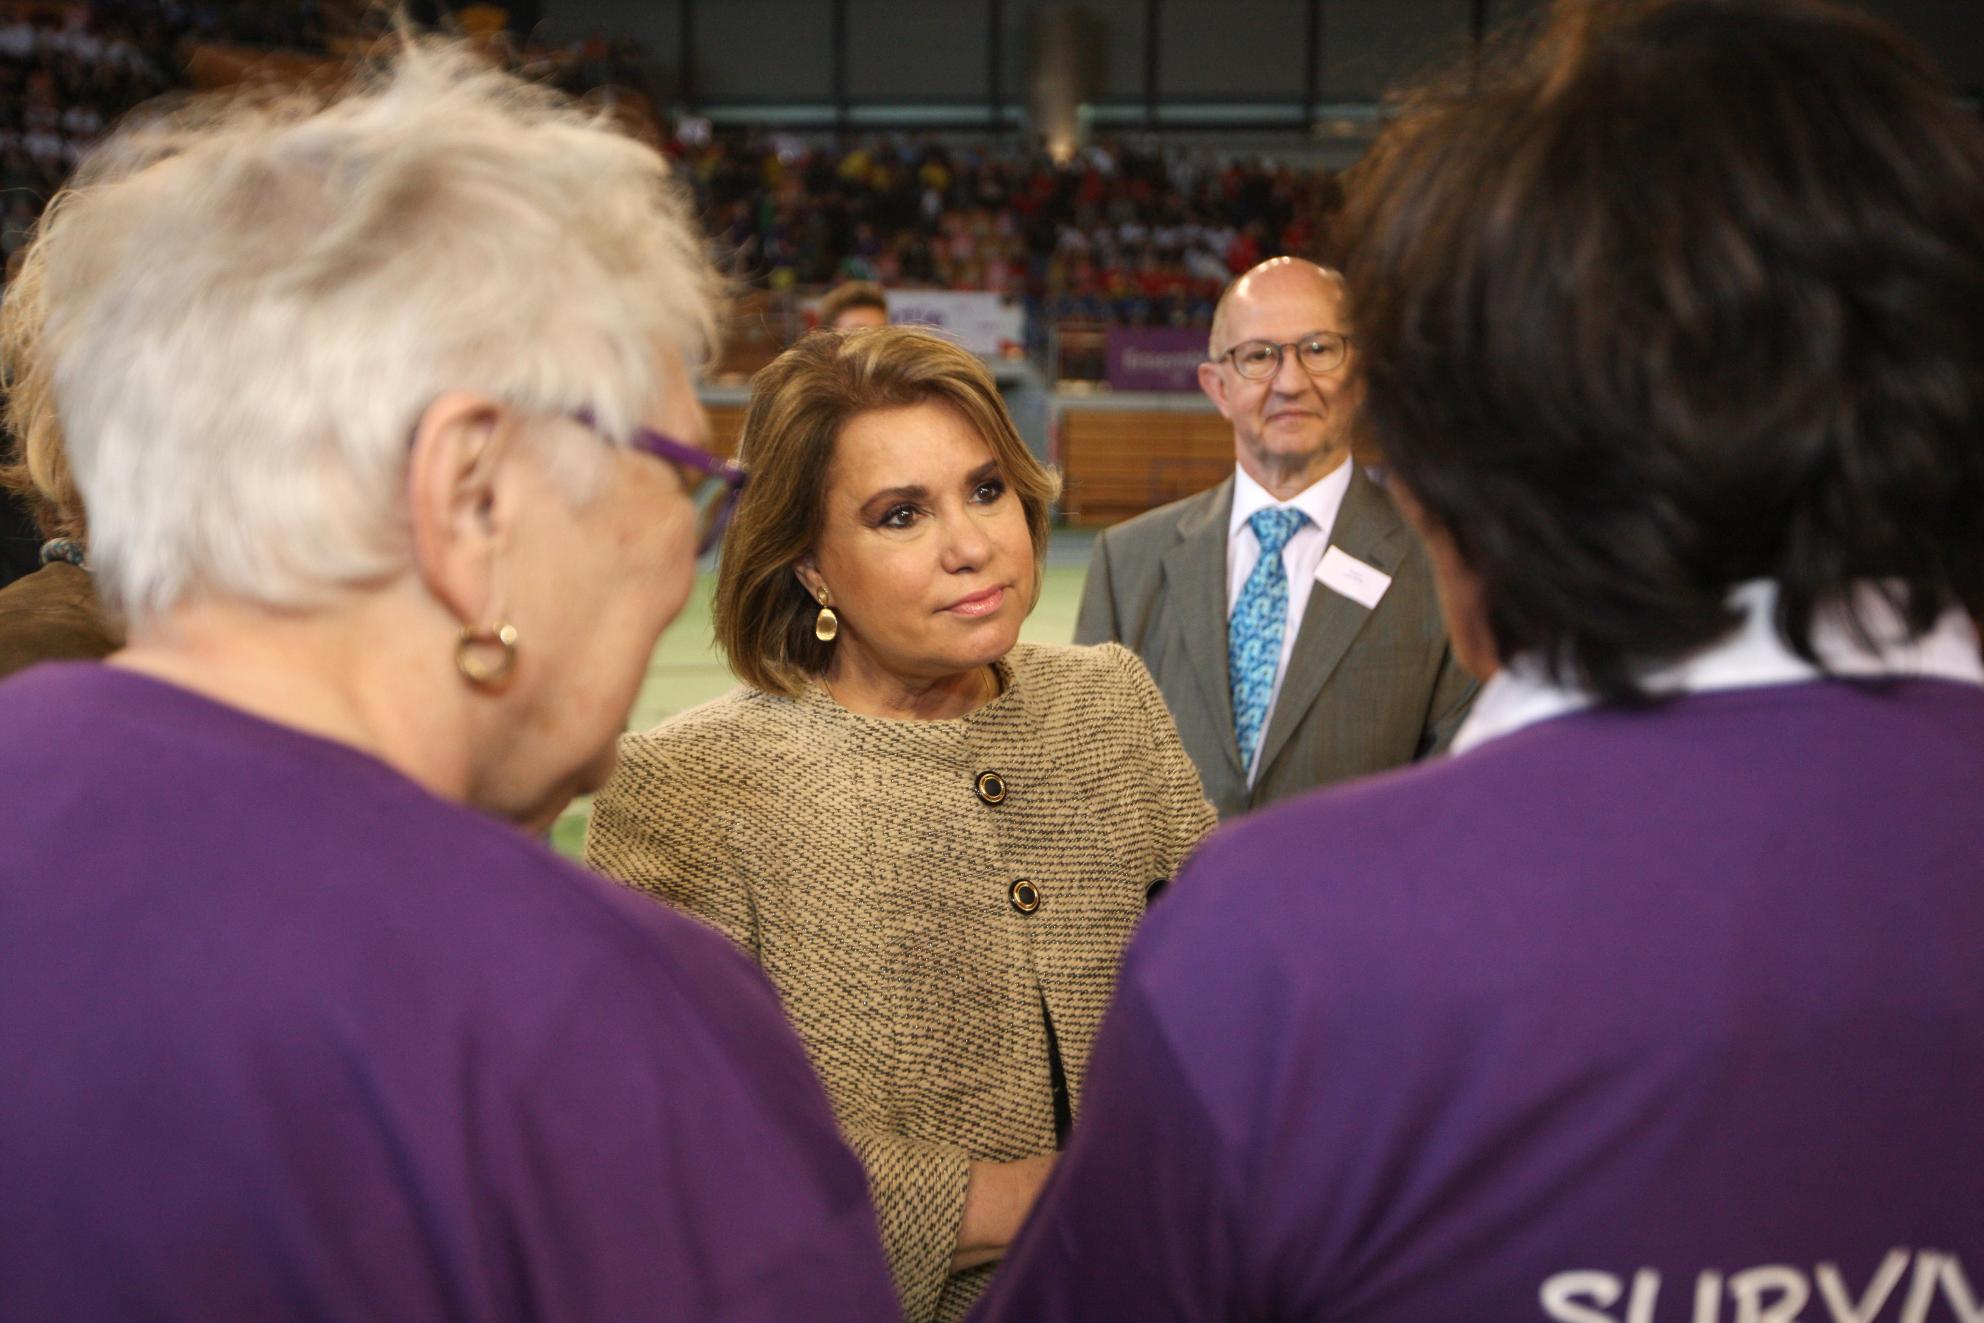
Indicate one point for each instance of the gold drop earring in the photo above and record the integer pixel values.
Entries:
(826, 625)
(473, 649)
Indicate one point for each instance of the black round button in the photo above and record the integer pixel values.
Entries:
(1025, 896)
(991, 787)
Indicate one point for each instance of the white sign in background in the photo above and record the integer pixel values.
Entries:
(982, 323)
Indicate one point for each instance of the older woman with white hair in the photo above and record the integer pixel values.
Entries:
(380, 412)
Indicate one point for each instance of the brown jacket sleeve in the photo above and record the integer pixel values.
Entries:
(644, 833)
(1180, 814)
(634, 838)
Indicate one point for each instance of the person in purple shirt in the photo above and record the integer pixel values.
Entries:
(1661, 1000)
(381, 412)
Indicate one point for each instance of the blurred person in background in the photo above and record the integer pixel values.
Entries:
(51, 613)
(381, 412)
(1662, 996)
(853, 306)
(934, 838)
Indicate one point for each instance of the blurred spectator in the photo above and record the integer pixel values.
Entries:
(853, 306)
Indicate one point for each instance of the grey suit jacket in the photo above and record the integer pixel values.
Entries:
(1366, 688)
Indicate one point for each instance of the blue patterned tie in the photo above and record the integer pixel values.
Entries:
(1253, 635)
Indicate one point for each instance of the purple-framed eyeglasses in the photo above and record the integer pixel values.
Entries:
(713, 483)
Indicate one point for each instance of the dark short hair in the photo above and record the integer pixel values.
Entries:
(1686, 293)
(799, 405)
(852, 294)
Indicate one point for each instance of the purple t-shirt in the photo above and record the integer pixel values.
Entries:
(1662, 1017)
(283, 1036)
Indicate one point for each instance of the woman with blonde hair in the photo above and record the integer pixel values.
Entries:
(935, 839)
(379, 410)
(51, 613)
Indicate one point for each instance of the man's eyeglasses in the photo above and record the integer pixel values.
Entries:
(713, 483)
(1318, 352)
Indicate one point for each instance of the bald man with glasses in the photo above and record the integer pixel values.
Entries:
(1287, 614)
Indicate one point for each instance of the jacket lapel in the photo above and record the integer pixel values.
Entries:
(1195, 578)
(1368, 528)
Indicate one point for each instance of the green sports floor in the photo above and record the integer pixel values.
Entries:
(686, 670)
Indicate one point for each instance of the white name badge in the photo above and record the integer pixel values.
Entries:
(1343, 573)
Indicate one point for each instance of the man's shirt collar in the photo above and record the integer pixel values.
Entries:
(1320, 500)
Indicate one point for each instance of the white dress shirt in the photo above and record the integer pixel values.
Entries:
(1521, 694)
(1299, 559)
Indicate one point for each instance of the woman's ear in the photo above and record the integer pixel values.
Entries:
(808, 574)
(457, 504)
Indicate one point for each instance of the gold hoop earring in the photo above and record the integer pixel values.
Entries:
(826, 625)
(475, 667)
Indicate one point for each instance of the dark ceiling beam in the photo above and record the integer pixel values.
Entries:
(1312, 43)
(1477, 37)
(995, 54)
(838, 64)
(685, 59)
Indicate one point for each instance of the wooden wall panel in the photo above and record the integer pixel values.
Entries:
(1119, 463)
(726, 423)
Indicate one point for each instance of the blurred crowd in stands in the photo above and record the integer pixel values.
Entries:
(1114, 234)
(63, 77)
(67, 71)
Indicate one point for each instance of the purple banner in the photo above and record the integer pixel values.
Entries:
(1155, 358)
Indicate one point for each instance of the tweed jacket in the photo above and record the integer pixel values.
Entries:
(860, 862)
(1367, 688)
